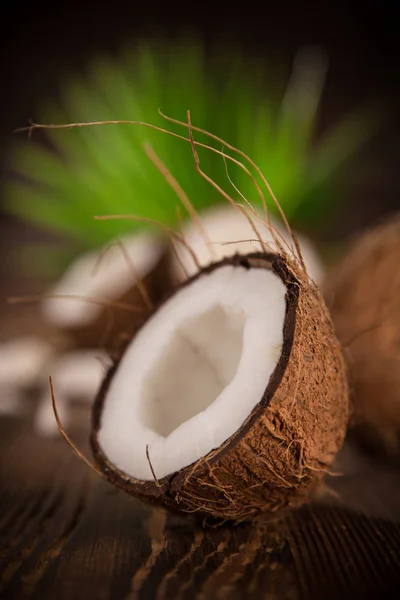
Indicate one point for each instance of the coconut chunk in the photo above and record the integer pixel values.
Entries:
(76, 375)
(22, 360)
(194, 372)
(11, 401)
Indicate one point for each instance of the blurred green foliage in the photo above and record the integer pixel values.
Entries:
(104, 169)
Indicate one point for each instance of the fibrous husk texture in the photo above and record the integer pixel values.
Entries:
(280, 454)
(364, 297)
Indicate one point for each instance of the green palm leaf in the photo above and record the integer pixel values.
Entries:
(100, 170)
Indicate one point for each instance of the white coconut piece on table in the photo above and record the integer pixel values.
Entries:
(187, 394)
(76, 376)
(22, 360)
(44, 421)
(226, 224)
(12, 402)
(109, 278)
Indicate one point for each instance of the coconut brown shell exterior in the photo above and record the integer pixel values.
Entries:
(280, 454)
(364, 297)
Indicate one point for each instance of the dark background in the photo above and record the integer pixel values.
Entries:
(42, 40)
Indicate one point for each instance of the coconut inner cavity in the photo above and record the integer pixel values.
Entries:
(193, 356)
(194, 372)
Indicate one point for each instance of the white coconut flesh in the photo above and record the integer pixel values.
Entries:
(226, 224)
(22, 360)
(108, 278)
(194, 372)
(76, 375)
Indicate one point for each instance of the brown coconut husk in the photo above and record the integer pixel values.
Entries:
(363, 294)
(287, 444)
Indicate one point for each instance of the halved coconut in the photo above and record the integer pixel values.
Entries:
(231, 400)
(363, 293)
(106, 277)
(230, 233)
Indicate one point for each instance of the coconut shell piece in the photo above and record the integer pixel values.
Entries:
(363, 293)
(280, 454)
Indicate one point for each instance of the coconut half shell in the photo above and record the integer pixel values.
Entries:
(363, 293)
(113, 324)
(89, 325)
(279, 455)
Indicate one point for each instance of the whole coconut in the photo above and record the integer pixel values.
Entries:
(363, 294)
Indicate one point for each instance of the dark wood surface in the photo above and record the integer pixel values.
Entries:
(66, 534)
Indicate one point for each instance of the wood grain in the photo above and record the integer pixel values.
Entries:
(66, 534)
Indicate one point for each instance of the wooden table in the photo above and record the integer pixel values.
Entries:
(65, 534)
